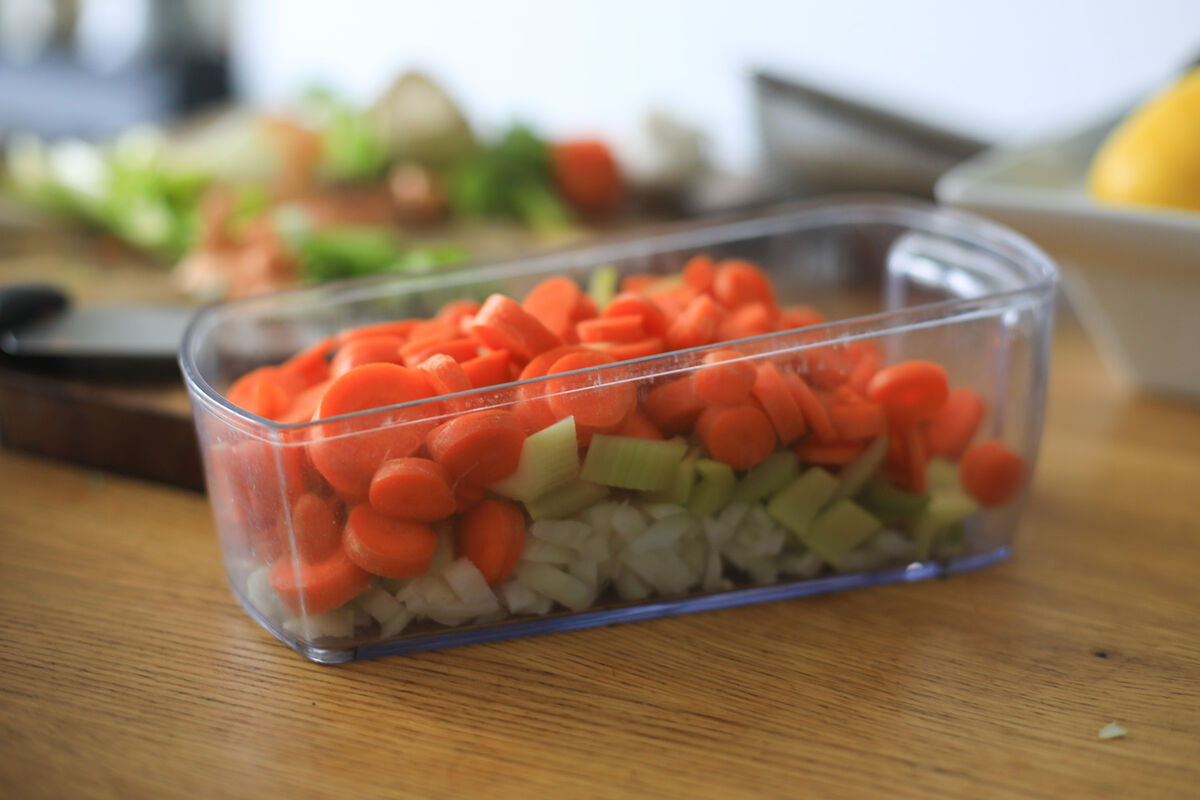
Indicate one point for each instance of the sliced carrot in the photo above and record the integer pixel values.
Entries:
(553, 303)
(464, 348)
(593, 405)
(467, 496)
(698, 273)
(826, 367)
(315, 527)
(434, 330)
(366, 350)
(650, 346)
(951, 429)
(670, 306)
(857, 421)
(834, 454)
(811, 407)
(913, 391)
(456, 312)
(847, 394)
(259, 392)
(991, 473)
(621, 328)
(447, 377)
(698, 324)
(639, 426)
(320, 587)
(534, 412)
(727, 380)
(481, 447)
(793, 317)
(489, 369)
(415, 489)
(638, 283)
(907, 458)
(740, 436)
(777, 400)
(869, 362)
(653, 321)
(751, 319)
(308, 367)
(540, 364)
(492, 536)
(388, 547)
(348, 452)
(501, 324)
(737, 282)
(400, 327)
(674, 406)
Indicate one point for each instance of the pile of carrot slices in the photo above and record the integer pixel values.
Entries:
(361, 492)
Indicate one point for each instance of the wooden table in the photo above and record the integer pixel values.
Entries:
(128, 670)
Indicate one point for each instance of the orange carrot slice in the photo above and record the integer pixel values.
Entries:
(698, 324)
(906, 458)
(323, 586)
(308, 367)
(415, 489)
(811, 407)
(951, 429)
(593, 405)
(991, 473)
(489, 369)
(674, 406)
(492, 536)
(698, 273)
(737, 282)
(502, 324)
(553, 302)
(366, 350)
(857, 421)
(650, 346)
(639, 426)
(260, 392)
(481, 447)
(401, 327)
(653, 321)
(780, 405)
(912, 391)
(620, 328)
(388, 547)
(750, 319)
(793, 317)
(727, 381)
(740, 436)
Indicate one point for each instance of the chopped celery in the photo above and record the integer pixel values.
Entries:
(714, 489)
(602, 284)
(795, 506)
(631, 463)
(941, 474)
(839, 529)
(890, 503)
(679, 489)
(566, 500)
(767, 477)
(856, 474)
(549, 458)
(946, 509)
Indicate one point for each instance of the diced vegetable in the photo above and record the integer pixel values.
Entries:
(796, 505)
(602, 285)
(566, 500)
(714, 489)
(837, 530)
(945, 509)
(549, 459)
(767, 477)
(891, 504)
(630, 463)
(559, 586)
(679, 489)
(856, 474)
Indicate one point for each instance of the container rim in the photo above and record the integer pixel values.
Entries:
(1029, 260)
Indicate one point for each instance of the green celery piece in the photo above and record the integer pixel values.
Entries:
(549, 458)
(942, 474)
(890, 503)
(566, 500)
(839, 529)
(714, 489)
(631, 463)
(797, 504)
(767, 477)
(856, 474)
(679, 489)
(602, 285)
(945, 510)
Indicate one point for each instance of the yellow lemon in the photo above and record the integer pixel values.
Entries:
(1153, 157)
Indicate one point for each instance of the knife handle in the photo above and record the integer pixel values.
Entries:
(22, 303)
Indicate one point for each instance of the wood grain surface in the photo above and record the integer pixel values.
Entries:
(129, 671)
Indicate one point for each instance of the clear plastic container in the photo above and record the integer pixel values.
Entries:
(912, 281)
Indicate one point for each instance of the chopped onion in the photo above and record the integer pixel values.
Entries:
(663, 533)
(517, 596)
(546, 553)
(562, 532)
(628, 522)
(555, 584)
(469, 584)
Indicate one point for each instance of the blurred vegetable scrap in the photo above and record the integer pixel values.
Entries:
(249, 201)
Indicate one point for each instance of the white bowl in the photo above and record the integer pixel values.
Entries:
(1132, 274)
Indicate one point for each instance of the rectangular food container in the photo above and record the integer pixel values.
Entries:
(900, 280)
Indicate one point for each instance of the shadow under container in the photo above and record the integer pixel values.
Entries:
(904, 279)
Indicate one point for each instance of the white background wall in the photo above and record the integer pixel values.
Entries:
(1004, 71)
